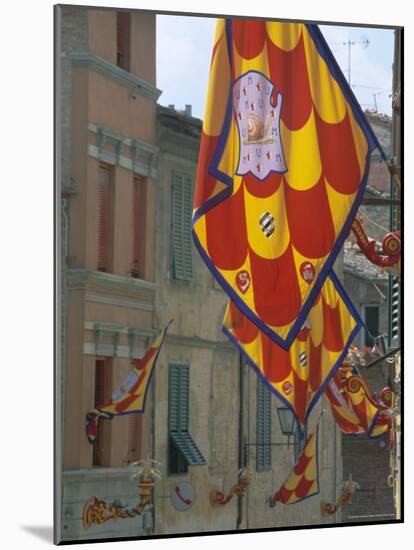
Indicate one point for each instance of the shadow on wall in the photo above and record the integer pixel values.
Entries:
(43, 532)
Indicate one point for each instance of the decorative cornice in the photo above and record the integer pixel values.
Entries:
(178, 145)
(122, 77)
(95, 474)
(108, 300)
(196, 342)
(142, 156)
(87, 279)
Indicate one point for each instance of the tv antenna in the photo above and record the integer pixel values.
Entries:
(363, 43)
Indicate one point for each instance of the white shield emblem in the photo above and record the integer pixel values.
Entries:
(258, 121)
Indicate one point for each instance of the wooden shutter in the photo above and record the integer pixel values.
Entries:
(103, 386)
(138, 229)
(264, 427)
(103, 219)
(182, 201)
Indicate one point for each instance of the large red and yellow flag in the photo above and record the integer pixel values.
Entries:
(130, 397)
(299, 376)
(303, 481)
(284, 159)
(354, 406)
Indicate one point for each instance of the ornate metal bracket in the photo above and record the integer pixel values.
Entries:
(217, 497)
(349, 488)
(97, 511)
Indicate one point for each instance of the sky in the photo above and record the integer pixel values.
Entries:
(184, 50)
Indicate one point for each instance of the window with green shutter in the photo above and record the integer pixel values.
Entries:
(182, 450)
(182, 205)
(264, 428)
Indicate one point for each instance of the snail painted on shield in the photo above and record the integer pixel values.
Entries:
(255, 127)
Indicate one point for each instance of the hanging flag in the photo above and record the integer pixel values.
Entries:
(355, 408)
(130, 397)
(300, 375)
(303, 481)
(283, 164)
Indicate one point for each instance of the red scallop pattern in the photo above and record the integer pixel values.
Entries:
(226, 232)
(310, 222)
(338, 154)
(205, 182)
(276, 362)
(260, 189)
(244, 330)
(288, 71)
(332, 331)
(248, 37)
(277, 299)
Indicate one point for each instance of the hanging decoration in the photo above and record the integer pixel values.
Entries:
(130, 397)
(218, 498)
(349, 488)
(97, 511)
(356, 409)
(299, 375)
(303, 481)
(386, 255)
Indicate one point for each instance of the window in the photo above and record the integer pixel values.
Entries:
(371, 320)
(182, 450)
(264, 427)
(138, 229)
(105, 213)
(123, 40)
(103, 388)
(182, 203)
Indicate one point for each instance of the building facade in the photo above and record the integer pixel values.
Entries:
(128, 267)
(108, 157)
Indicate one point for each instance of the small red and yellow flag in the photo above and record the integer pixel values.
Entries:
(300, 375)
(130, 397)
(303, 481)
(354, 406)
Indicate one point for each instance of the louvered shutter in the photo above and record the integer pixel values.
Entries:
(182, 200)
(178, 415)
(138, 217)
(264, 427)
(178, 403)
(103, 219)
(102, 394)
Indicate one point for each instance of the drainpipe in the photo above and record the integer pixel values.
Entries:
(241, 437)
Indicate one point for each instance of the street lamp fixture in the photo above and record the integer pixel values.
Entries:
(287, 421)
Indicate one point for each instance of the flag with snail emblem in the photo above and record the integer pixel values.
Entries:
(283, 164)
(130, 397)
